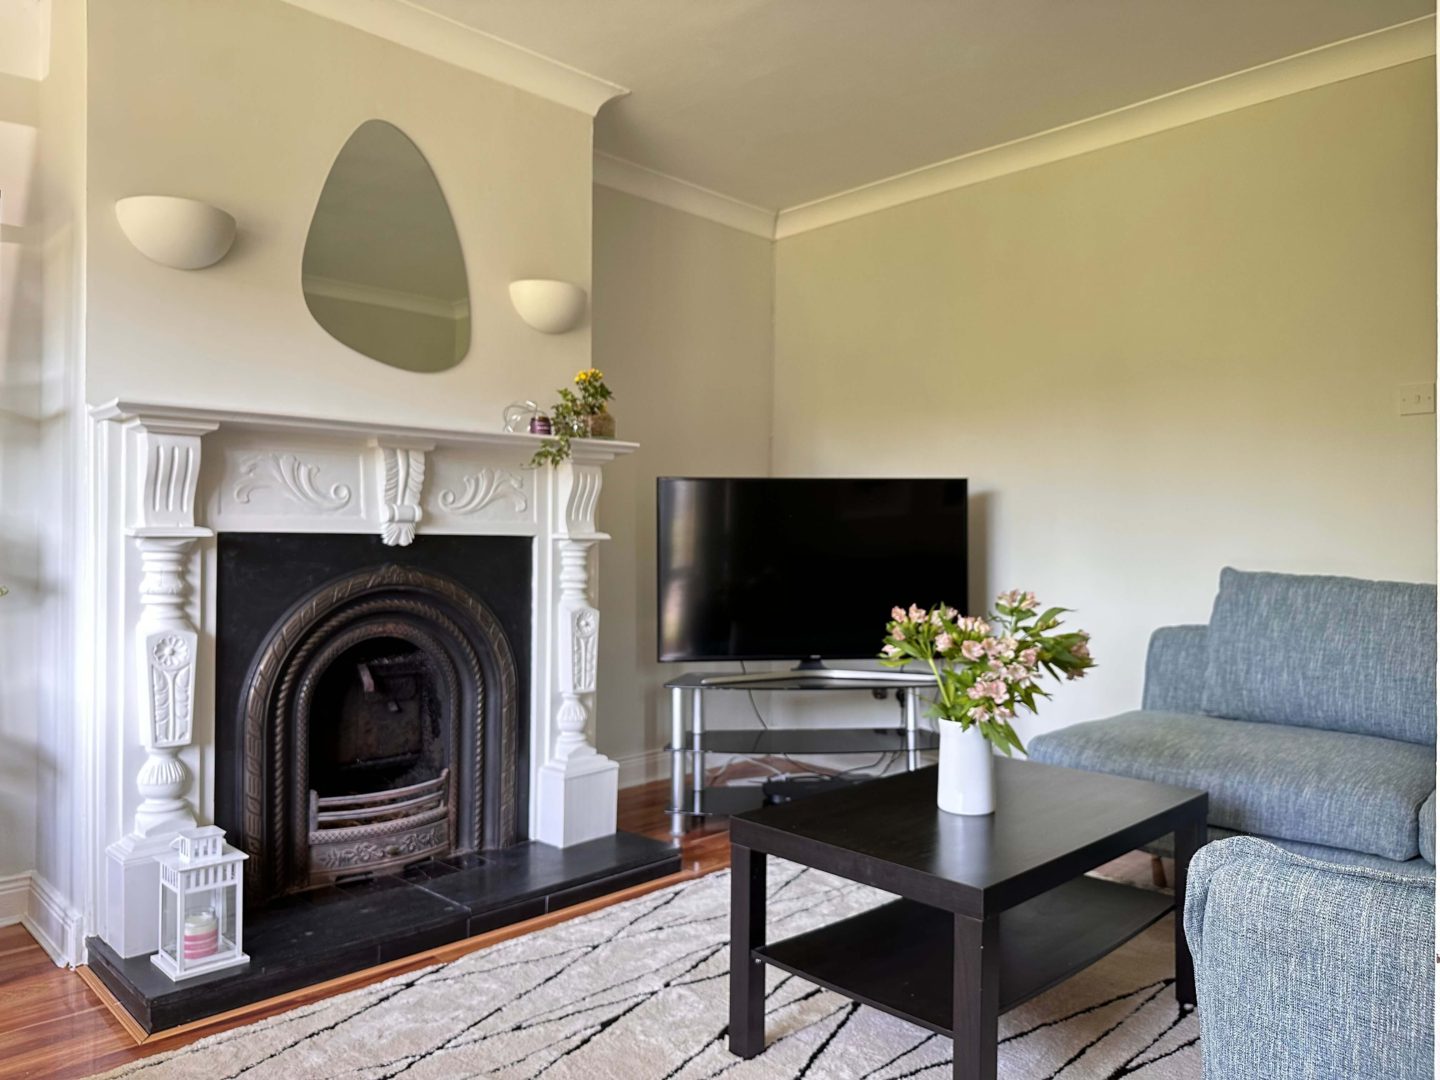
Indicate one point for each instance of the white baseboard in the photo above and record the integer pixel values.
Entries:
(14, 898)
(31, 901)
(644, 767)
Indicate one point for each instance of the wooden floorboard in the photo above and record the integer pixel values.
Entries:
(54, 1025)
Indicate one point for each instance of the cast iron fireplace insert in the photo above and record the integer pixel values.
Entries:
(377, 722)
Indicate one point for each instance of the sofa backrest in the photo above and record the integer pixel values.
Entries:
(1175, 670)
(1325, 652)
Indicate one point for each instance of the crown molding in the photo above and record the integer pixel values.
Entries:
(443, 38)
(626, 176)
(1332, 63)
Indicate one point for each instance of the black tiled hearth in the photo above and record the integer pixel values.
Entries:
(307, 938)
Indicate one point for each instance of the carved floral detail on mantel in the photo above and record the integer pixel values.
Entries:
(484, 487)
(403, 477)
(295, 477)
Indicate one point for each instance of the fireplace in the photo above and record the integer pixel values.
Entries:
(369, 654)
(233, 553)
(374, 722)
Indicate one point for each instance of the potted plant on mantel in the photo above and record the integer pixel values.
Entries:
(577, 416)
(986, 668)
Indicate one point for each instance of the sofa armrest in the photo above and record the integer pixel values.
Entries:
(1427, 829)
(1175, 669)
(1307, 969)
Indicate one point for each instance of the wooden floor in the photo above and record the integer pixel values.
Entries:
(53, 1025)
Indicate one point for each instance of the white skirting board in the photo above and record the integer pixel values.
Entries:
(31, 901)
(644, 767)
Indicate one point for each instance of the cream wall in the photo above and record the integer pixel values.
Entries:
(245, 103)
(1151, 361)
(42, 82)
(61, 424)
(682, 331)
(21, 337)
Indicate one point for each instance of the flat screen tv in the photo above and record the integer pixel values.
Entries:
(768, 569)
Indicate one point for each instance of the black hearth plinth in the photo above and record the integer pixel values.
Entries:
(324, 933)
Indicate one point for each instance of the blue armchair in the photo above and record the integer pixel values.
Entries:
(1307, 970)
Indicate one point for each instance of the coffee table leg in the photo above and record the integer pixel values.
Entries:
(747, 932)
(1188, 839)
(977, 997)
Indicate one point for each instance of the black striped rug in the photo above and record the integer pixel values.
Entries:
(638, 991)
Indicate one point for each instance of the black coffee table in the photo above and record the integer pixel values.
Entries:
(993, 910)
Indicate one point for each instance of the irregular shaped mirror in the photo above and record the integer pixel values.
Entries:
(383, 272)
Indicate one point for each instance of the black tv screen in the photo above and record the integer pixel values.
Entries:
(770, 569)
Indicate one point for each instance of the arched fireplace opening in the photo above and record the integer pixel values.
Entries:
(380, 729)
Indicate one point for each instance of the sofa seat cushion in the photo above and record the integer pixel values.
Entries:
(1319, 787)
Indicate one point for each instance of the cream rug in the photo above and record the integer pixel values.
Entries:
(638, 991)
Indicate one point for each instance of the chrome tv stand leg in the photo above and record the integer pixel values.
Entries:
(697, 753)
(912, 728)
(677, 763)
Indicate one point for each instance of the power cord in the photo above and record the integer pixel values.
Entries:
(888, 757)
(754, 707)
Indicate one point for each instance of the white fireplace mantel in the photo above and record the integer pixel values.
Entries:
(167, 478)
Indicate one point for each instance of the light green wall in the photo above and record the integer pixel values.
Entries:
(682, 331)
(1151, 361)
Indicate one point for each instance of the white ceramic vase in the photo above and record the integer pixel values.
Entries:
(967, 771)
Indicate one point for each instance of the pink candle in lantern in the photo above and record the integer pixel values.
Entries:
(202, 935)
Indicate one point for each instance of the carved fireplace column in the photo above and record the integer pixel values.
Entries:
(161, 481)
(578, 785)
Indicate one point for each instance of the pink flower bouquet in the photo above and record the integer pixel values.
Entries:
(986, 668)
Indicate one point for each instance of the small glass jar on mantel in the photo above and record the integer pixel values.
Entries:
(201, 921)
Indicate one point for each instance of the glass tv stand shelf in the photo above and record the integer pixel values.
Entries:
(691, 798)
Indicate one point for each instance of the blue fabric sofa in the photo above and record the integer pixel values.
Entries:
(1306, 708)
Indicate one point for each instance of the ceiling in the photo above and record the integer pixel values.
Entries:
(781, 102)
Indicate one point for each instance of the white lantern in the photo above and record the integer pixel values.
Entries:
(200, 905)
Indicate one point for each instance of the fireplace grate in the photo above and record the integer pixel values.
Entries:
(352, 835)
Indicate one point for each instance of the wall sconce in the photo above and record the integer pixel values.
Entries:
(552, 307)
(185, 234)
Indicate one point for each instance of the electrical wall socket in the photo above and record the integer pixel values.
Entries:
(1414, 398)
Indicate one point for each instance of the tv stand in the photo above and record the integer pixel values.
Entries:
(816, 670)
(690, 796)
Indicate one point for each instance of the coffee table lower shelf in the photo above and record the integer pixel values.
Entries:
(898, 957)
